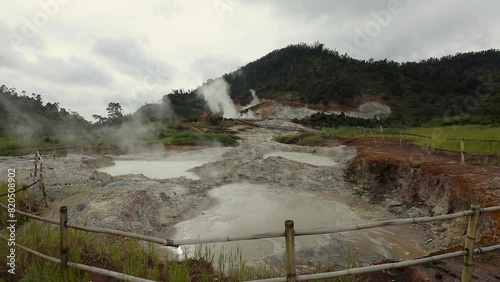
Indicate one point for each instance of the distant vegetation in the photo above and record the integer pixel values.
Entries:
(27, 124)
(458, 89)
(437, 134)
(467, 132)
(453, 90)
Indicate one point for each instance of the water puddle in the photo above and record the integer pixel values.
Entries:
(303, 158)
(244, 209)
(170, 166)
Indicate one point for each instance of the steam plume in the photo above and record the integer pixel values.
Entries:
(255, 100)
(216, 95)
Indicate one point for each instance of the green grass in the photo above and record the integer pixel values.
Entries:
(319, 138)
(197, 138)
(19, 196)
(128, 256)
(480, 132)
(20, 147)
(120, 255)
(464, 131)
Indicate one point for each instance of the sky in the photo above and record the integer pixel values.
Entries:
(85, 54)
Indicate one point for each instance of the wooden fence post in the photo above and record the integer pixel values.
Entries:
(42, 185)
(82, 152)
(291, 264)
(54, 154)
(63, 219)
(428, 145)
(382, 133)
(26, 198)
(373, 137)
(400, 139)
(462, 150)
(364, 132)
(469, 244)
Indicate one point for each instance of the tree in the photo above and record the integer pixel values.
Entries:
(114, 111)
(99, 119)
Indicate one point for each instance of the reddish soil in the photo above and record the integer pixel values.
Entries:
(466, 183)
(472, 183)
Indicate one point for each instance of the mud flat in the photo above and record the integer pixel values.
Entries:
(242, 209)
(247, 189)
(170, 166)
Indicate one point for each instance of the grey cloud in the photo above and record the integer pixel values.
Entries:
(73, 70)
(212, 66)
(337, 9)
(167, 8)
(127, 56)
(9, 57)
(428, 29)
(425, 28)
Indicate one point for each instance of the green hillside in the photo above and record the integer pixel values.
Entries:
(462, 88)
(26, 121)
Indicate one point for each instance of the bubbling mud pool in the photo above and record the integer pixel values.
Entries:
(245, 209)
(170, 166)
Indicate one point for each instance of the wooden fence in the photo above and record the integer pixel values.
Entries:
(289, 233)
(428, 146)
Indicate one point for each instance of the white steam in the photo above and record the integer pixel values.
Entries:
(216, 95)
(255, 100)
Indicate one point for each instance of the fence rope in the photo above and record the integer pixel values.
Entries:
(44, 219)
(435, 138)
(352, 271)
(303, 232)
(164, 242)
(462, 140)
(380, 267)
(24, 188)
(97, 270)
(317, 231)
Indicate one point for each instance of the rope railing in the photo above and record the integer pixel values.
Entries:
(30, 215)
(435, 138)
(381, 267)
(428, 144)
(164, 242)
(21, 189)
(88, 268)
(287, 232)
(277, 234)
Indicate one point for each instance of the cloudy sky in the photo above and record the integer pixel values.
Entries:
(85, 54)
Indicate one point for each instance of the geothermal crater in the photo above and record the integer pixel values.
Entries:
(247, 189)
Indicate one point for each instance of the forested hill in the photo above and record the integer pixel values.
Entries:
(464, 85)
(22, 116)
(464, 88)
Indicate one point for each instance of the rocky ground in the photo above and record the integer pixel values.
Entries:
(137, 203)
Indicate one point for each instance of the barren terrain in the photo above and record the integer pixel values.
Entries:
(403, 180)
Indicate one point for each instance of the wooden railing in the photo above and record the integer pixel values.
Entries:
(289, 233)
